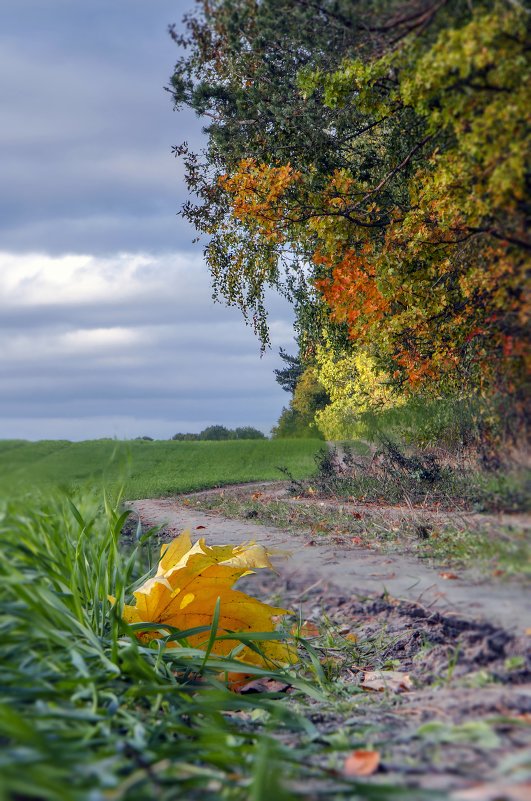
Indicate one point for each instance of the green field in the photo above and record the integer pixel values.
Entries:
(150, 469)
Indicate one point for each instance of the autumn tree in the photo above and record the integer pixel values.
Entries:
(375, 153)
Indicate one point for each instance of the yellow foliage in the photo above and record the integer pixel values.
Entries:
(355, 385)
(185, 590)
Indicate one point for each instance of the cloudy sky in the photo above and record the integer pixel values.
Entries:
(108, 326)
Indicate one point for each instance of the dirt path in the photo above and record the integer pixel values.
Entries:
(354, 570)
(462, 731)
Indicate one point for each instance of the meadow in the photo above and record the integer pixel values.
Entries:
(145, 468)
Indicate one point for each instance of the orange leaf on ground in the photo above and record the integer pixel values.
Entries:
(361, 763)
(308, 629)
(379, 680)
(446, 575)
(262, 685)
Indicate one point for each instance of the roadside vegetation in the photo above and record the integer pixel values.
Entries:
(489, 547)
(90, 709)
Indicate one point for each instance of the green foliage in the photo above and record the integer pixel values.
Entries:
(298, 420)
(310, 395)
(293, 425)
(288, 376)
(218, 432)
(355, 386)
(248, 432)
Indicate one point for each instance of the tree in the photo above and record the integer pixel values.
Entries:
(354, 386)
(288, 376)
(240, 73)
(375, 151)
(216, 432)
(248, 432)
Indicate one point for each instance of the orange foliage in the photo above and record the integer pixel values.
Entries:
(257, 191)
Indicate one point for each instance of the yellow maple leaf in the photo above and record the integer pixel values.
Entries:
(185, 590)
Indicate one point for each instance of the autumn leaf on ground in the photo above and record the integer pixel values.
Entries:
(185, 591)
(361, 763)
(448, 576)
(379, 680)
(308, 629)
(262, 685)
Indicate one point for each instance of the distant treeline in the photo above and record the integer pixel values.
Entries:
(220, 432)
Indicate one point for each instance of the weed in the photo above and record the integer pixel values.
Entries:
(392, 475)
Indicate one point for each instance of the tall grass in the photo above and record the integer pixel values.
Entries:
(86, 711)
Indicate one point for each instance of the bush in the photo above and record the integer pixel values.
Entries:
(248, 432)
(218, 432)
(293, 425)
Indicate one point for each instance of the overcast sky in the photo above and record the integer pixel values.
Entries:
(108, 325)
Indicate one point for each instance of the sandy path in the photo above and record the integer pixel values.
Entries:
(350, 569)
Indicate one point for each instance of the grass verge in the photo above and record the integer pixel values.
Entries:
(457, 540)
(87, 712)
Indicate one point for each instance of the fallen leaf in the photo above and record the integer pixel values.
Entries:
(357, 541)
(263, 685)
(357, 515)
(527, 632)
(379, 680)
(256, 495)
(235, 681)
(308, 629)
(494, 791)
(351, 637)
(361, 763)
(198, 527)
(525, 717)
(450, 576)
(185, 590)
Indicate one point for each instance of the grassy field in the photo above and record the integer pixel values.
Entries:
(150, 469)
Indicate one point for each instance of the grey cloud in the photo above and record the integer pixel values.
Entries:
(87, 127)
(86, 165)
(187, 359)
